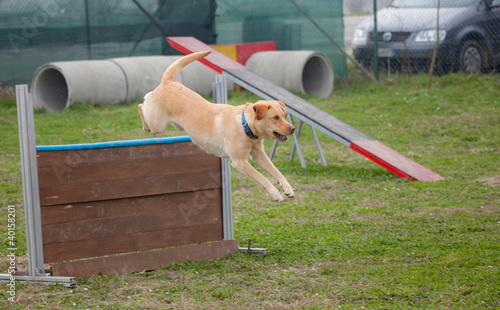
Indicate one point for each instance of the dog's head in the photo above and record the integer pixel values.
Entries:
(269, 120)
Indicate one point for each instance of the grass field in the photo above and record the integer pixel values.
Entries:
(355, 237)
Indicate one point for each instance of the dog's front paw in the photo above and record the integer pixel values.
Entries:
(289, 192)
(287, 189)
(275, 195)
(279, 199)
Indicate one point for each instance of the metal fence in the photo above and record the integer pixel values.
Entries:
(405, 33)
(34, 32)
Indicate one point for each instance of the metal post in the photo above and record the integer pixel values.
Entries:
(27, 144)
(297, 143)
(294, 147)
(375, 40)
(219, 88)
(318, 146)
(273, 150)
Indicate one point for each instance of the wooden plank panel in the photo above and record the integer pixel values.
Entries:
(125, 206)
(216, 60)
(203, 213)
(102, 171)
(116, 189)
(57, 252)
(136, 262)
(393, 161)
(300, 106)
(51, 158)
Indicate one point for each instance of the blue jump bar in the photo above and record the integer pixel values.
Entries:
(123, 143)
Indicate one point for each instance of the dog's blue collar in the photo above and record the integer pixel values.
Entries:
(248, 131)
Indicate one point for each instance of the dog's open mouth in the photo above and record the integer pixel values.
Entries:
(280, 138)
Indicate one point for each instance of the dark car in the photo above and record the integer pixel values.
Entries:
(469, 35)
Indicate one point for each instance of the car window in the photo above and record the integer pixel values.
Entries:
(432, 3)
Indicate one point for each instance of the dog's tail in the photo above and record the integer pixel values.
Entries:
(177, 66)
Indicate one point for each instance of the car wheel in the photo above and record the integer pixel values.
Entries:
(472, 58)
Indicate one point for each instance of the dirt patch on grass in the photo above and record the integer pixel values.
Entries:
(244, 188)
(311, 188)
(324, 185)
(492, 181)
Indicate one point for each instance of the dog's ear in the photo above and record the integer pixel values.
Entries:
(260, 110)
(282, 105)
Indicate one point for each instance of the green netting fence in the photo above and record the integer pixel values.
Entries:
(34, 32)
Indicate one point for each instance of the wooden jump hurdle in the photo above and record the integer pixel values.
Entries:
(123, 206)
(130, 196)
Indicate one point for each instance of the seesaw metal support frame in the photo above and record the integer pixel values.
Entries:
(296, 134)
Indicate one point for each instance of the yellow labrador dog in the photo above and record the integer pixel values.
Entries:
(219, 129)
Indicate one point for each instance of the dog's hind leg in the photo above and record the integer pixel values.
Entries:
(144, 124)
(177, 126)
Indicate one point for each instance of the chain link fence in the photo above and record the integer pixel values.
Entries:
(467, 33)
(34, 32)
(293, 25)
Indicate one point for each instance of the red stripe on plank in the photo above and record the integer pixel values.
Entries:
(394, 161)
(216, 60)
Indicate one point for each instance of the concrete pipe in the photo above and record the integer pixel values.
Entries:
(57, 85)
(297, 71)
(143, 74)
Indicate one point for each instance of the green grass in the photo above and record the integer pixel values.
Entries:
(355, 237)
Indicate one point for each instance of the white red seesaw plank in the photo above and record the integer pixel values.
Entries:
(307, 112)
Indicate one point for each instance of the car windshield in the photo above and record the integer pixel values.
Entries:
(430, 3)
